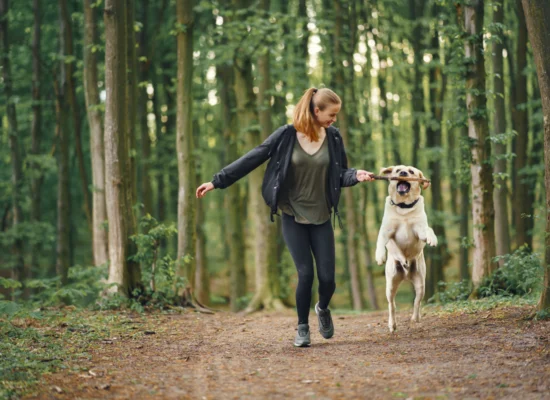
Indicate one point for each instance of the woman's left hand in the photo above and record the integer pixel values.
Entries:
(364, 176)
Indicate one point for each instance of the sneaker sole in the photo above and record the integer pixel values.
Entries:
(302, 345)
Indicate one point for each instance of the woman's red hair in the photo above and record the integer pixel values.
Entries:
(304, 118)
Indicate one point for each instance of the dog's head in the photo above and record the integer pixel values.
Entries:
(400, 190)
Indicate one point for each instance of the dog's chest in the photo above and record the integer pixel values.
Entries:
(404, 235)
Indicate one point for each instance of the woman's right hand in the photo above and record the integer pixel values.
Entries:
(203, 189)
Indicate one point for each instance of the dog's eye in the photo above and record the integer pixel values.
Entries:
(397, 170)
(411, 171)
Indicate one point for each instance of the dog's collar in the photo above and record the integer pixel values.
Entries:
(404, 205)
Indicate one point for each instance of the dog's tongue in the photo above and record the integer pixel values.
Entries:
(402, 187)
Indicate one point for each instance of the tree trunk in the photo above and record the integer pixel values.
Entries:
(416, 12)
(537, 14)
(464, 216)
(131, 100)
(478, 132)
(36, 129)
(202, 276)
(69, 96)
(146, 188)
(91, 92)
(267, 283)
(438, 256)
(502, 233)
(234, 215)
(350, 215)
(116, 148)
(18, 272)
(184, 146)
(522, 208)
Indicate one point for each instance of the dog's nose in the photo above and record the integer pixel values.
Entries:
(403, 173)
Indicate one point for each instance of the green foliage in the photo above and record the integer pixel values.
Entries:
(454, 291)
(157, 270)
(83, 289)
(520, 275)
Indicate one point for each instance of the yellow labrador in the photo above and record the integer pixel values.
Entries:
(404, 233)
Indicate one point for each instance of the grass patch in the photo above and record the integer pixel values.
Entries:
(37, 342)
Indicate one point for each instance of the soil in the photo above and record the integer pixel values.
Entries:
(493, 354)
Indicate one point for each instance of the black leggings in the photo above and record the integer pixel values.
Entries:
(302, 240)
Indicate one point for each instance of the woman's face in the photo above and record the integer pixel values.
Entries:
(327, 117)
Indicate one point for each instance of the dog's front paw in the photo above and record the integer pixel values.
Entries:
(431, 239)
(380, 256)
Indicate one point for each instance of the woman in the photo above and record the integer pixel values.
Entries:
(307, 168)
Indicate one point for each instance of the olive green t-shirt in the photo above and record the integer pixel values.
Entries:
(304, 192)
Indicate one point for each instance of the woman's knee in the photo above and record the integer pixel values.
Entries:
(305, 276)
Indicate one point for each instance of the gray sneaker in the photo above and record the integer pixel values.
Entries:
(326, 328)
(302, 336)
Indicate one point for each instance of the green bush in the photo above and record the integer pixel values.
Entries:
(521, 274)
(454, 291)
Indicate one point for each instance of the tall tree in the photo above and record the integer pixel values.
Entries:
(131, 99)
(13, 134)
(36, 124)
(184, 148)
(124, 275)
(234, 216)
(350, 214)
(71, 102)
(416, 14)
(537, 15)
(478, 132)
(63, 106)
(437, 256)
(522, 208)
(502, 231)
(267, 279)
(91, 94)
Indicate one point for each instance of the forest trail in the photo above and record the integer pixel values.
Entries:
(489, 354)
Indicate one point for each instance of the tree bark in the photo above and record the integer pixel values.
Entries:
(464, 218)
(146, 189)
(131, 101)
(99, 211)
(522, 208)
(437, 257)
(500, 194)
(478, 132)
(234, 216)
(116, 148)
(537, 14)
(36, 129)
(184, 147)
(18, 271)
(350, 214)
(267, 283)
(69, 96)
(416, 11)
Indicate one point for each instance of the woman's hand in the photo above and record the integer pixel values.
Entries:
(203, 189)
(364, 176)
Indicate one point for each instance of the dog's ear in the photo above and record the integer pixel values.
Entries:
(425, 185)
(386, 171)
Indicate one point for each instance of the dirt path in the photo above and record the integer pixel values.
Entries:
(490, 354)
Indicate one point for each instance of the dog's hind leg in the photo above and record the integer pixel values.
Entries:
(393, 279)
(417, 278)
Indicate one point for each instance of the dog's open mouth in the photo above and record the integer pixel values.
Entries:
(403, 187)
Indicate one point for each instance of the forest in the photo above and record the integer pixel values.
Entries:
(115, 111)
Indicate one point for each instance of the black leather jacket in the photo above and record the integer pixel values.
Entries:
(278, 149)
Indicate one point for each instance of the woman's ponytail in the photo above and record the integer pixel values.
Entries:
(304, 116)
